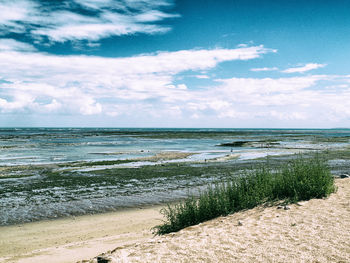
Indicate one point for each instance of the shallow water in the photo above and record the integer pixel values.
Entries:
(49, 173)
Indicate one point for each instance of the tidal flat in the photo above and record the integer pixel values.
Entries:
(53, 173)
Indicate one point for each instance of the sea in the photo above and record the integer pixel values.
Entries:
(48, 173)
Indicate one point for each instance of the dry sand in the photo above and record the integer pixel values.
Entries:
(313, 231)
(73, 239)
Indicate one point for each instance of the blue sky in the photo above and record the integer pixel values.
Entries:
(144, 63)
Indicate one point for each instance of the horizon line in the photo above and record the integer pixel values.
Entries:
(134, 127)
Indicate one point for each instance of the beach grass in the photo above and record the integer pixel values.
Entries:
(298, 179)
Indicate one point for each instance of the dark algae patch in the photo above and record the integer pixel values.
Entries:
(96, 163)
(257, 144)
(52, 193)
(235, 144)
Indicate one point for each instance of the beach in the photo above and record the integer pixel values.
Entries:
(76, 238)
(311, 231)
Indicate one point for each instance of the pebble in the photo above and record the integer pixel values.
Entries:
(102, 259)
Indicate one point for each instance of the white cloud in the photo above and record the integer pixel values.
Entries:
(7, 44)
(21, 103)
(202, 76)
(218, 105)
(233, 114)
(82, 84)
(12, 12)
(60, 22)
(182, 86)
(264, 69)
(94, 4)
(53, 106)
(94, 29)
(173, 111)
(238, 88)
(195, 116)
(153, 15)
(89, 106)
(307, 67)
(147, 86)
(339, 110)
(153, 67)
(267, 100)
(286, 116)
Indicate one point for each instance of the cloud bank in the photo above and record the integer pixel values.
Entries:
(148, 86)
(39, 82)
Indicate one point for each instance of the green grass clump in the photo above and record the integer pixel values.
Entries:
(299, 179)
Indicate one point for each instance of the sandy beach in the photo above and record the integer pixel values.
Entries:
(76, 238)
(312, 231)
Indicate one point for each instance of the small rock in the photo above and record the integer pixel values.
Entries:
(279, 207)
(286, 207)
(344, 176)
(240, 223)
(102, 259)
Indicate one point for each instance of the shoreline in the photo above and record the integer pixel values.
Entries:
(76, 238)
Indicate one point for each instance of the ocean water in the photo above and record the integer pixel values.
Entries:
(54, 172)
(47, 146)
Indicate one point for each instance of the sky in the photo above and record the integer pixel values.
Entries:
(175, 63)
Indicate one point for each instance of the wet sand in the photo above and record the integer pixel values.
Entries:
(165, 156)
(313, 231)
